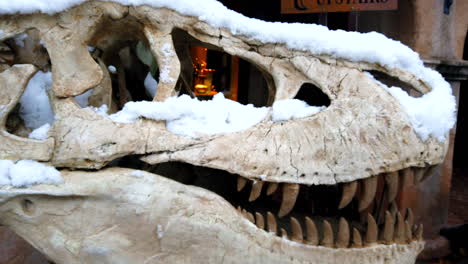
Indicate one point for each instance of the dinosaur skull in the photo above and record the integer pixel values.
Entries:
(332, 178)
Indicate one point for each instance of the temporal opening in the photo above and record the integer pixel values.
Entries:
(391, 81)
(312, 95)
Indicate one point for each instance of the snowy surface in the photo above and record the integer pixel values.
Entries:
(137, 174)
(42, 43)
(151, 85)
(160, 231)
(190, 117)
(19, 39)
(426, 117)
(41, 132)
(370, 47)
(35, 108)
(25, 173)
(284, 110)
(102, 110)
(83, 98)
(112, 68)
(164, 74)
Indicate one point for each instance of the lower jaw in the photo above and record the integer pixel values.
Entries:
(203, 228)
(353, 221)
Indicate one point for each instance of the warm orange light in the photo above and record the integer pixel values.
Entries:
(202, 77)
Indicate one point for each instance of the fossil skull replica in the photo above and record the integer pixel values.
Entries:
(316, 189)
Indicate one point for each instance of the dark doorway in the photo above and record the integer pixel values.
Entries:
(459, 193)
(460, 159)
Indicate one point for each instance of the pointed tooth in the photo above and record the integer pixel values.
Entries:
(342, 239)
(256, 190)
(272, 187)
(312, 233)
(290, 192)
(239, 209)
(296, 230)
(284, 234)
(418, 174)
(349, 190)
(393, 209)
(410, 216)
(372, 230)
(391, 179)
(250, 217)
(272, 227)
(408, 232)
(244, 213)
(327, 240)
(400, 229)
(429, 171)
(388, 229)
(241, 182)
(406, 179)
(419, 233)
(357, 239)
(368, 195)
(259, 221)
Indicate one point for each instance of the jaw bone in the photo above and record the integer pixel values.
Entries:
(87, 219)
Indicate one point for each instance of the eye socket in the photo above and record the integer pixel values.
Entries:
(28, 207)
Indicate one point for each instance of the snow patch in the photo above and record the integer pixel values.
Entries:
(284, 110)
(151, 85)
(35, 108)
(137, 174)
(160, 231)
(26, 173)
(190, 117)
(112, 68)
(43, 44)
(83, 99)
(102, 110)
(425, 115)
(5, 166)
(19, 39)
(40, 133)
(164, 73)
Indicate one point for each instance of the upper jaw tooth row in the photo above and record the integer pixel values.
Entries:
(394, 229)
(394, 182)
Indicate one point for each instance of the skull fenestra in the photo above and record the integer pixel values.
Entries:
(317, 189)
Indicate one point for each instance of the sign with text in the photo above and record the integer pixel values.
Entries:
(324, 6)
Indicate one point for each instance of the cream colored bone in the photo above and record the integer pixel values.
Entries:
(163, 50)
(119, 216)
(124, 216)
(12, 84)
